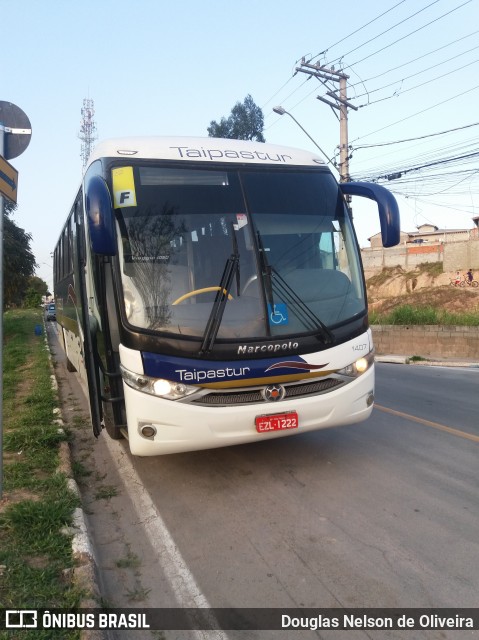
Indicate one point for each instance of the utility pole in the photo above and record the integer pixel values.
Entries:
(340, 103)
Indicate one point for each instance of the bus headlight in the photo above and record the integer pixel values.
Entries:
(157, 386)
(162, 387)
(361, 365)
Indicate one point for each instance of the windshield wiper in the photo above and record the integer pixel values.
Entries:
(300, 308)
(235, 254)
(266, 272)
(216, 315)
(272, 280)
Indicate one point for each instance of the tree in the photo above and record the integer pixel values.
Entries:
(246, 122)
(18, 259)
(37, 289)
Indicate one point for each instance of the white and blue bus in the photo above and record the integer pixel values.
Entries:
(210, 292)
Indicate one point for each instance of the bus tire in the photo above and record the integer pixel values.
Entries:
(112, 429)
(70, 367)
(113, 432)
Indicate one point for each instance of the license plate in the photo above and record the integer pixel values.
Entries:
(276, 422)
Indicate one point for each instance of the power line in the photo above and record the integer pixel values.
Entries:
(433, 175)
(413, 75)
(387, 31)
(413, 32)
(357, 30)
(404, 64)
(428, 135)
(428, 165)
(413, 115)
(471, 209)
(397, 168)
(417, 86)
(342, 39)
(451, 158)
(429, 178)
(276, 93)
(370, 22)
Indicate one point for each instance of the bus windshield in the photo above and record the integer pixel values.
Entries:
(296, 263)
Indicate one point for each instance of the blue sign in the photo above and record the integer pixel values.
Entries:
(278, 314)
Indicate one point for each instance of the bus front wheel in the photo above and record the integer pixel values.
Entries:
(113, 430)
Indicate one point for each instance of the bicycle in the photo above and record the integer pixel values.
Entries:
(469, 283)
(464, 282)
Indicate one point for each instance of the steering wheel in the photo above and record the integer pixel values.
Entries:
(195, 292)
(250, 280)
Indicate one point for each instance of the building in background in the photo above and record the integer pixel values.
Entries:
(456, 248)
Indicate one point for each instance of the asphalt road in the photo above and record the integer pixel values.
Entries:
(380, 514)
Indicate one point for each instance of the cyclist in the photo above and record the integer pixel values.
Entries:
(470, 276)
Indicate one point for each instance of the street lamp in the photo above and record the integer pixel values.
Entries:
(281, 111)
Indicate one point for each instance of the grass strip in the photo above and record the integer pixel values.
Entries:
(410, 315)
(35, 552)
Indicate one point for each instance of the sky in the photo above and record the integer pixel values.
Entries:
(156, 67)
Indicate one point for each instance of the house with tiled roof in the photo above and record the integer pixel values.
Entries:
(455, 248)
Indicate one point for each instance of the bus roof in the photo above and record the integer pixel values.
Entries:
(204, 149)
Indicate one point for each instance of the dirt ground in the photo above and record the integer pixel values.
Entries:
(420, 288)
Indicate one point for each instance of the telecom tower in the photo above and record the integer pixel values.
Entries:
(87, 133)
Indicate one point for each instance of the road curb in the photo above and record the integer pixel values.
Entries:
(392, 359)
(395, 359)
(443, 363)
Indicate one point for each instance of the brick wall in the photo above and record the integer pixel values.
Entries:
(428, 340)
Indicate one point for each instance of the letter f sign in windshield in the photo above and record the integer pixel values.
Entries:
(124, 193)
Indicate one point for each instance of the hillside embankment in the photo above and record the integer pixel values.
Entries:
(426, 286)
(419, 313)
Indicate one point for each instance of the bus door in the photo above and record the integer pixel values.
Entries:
(99, 319)
(87, 324)
(107, 348)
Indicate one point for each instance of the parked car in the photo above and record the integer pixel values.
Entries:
(51, 311)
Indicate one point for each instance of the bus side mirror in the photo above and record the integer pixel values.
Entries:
(387, 205)
(101, 221)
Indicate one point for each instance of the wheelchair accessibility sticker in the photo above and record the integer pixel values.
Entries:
(278, 313)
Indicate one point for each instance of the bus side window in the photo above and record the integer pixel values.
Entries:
(80, 229)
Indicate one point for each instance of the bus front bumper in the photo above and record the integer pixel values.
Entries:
(176, 427)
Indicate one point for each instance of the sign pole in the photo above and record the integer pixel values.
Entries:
(2, 151)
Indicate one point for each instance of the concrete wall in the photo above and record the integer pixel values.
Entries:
(462, 255)
(454, 255)
(427, 340)
(407, 256)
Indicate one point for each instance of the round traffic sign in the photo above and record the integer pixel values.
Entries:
(17, 140)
